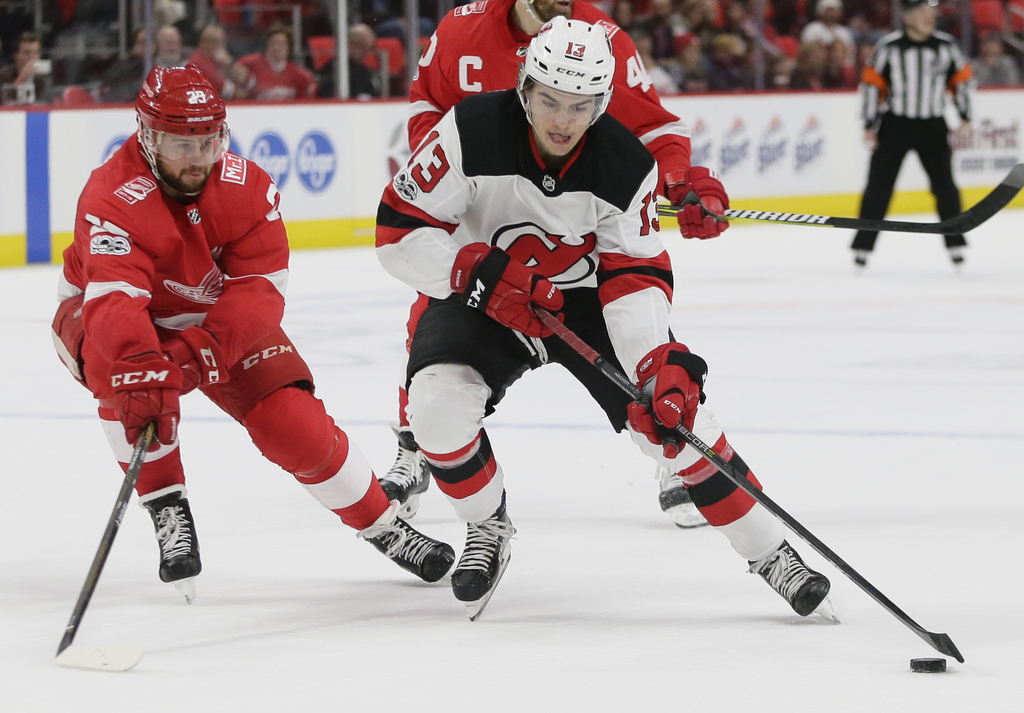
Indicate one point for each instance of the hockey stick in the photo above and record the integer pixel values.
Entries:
(940, 642)
(117, 657)
(970, 219)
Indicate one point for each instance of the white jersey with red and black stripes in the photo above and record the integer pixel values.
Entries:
(477, 177)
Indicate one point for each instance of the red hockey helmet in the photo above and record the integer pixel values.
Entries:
(180, 101)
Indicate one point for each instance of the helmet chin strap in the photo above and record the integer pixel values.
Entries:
(528, 6)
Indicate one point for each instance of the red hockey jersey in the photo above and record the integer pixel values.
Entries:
(292, 83)
(478, 48)
(144, 260)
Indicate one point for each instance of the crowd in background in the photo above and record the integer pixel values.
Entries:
(251, 51)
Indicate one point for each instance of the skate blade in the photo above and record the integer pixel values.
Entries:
(187, 588)
(111, 657)
(475, 609)
(825, 613)
(686, 516)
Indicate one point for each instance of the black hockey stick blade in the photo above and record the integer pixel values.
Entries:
(940, 642)
(966, 221)
(114, 658)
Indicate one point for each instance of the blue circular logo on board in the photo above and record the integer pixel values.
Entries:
(112, 148)
(315, 161)
(270, 154)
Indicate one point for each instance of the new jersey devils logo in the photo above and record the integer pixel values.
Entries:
(563, 259)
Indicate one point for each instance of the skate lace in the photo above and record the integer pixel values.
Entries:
(405, 471)
(402, 542)
(174, 533)
(483, 540)
(785, 573)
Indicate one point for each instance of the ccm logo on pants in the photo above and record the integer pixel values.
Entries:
(251, 361)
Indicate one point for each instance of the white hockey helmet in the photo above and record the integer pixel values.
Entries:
(571, 56)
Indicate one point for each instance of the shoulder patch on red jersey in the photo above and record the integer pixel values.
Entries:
(233, 169)
(609, 27)
(135, 190)
(473, 8)
(105, 238)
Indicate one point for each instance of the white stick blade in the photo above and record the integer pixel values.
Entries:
(111, 657)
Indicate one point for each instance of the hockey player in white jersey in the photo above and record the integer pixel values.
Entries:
(534, 196)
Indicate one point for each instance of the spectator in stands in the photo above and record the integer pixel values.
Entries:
(662, 27)
(726, 70)
(363, 84)
(624, 14)
(699, 17)
(780, 70)
(993, 67)
(26, 81)
(169, 51)
(123, 80)
(211, 56)
(690, 70)
(272, 76)
(827, 29)
(809, 72)
(738, 22)
(662, 80)
(840, 72)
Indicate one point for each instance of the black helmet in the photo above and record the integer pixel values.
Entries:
(911, 4)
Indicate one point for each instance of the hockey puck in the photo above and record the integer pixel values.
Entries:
(927, 665)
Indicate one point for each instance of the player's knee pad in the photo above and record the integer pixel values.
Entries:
(291, 428)
(446, 406)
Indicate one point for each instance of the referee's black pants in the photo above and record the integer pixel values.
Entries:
(896, 136)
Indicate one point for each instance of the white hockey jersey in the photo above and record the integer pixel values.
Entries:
(593, 225)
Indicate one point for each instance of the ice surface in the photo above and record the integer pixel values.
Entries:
(883, 410)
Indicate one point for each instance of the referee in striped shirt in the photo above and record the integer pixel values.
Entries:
(904, 94)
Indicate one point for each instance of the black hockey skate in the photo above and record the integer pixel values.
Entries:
(410, 549)
(786, 573)
(409, 475)
(179, 546)
(484, 560)
(675, 501)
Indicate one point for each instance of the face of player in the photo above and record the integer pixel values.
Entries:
(559, 120)
(185, 162)
(547, 9)
(920, 21)
(277, 48)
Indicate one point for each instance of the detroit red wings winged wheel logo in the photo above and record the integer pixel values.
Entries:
(563, 259)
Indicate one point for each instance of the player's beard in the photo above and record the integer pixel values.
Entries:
(547, 9)
(187, 180)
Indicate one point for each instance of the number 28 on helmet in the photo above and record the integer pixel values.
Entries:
(181, 118)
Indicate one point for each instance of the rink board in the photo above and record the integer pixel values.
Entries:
(331, 160)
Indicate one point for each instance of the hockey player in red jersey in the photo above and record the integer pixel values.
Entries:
(532, 197)
(480, 47)
(175, 281)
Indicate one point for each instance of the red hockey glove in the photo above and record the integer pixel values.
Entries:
(491, 281)
(674, 379)
(146, 388)
(198, 354)
(695, 189)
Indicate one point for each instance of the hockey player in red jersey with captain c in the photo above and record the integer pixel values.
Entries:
(175, 281)
(479, 48)
(534, 196)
